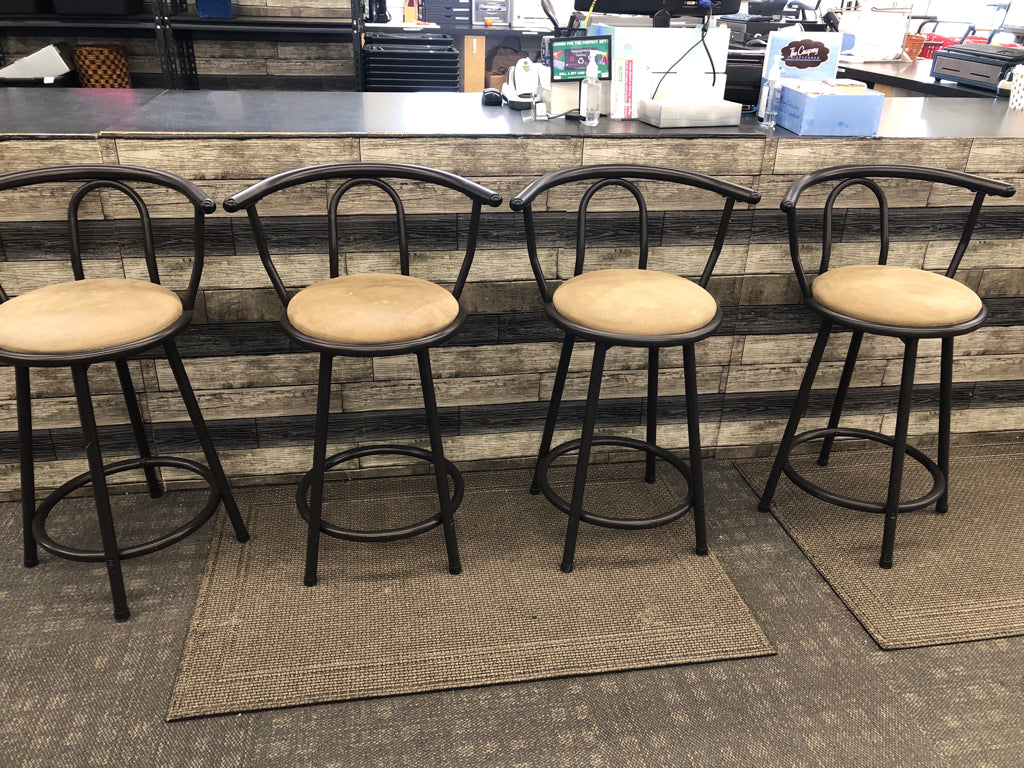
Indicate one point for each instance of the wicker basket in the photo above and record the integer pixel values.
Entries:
(102, 66)
(912, 45)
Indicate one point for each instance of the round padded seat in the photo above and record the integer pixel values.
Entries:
(372, 309)
(636, 302)
(86, 316)
(898, 296)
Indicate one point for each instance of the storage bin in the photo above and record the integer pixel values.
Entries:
(215, 9)
(934, 43)
(97, 7)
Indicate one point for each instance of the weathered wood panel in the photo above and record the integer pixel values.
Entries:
(257, 388)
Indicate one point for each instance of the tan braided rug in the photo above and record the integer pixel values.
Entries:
(388, 618)
(956, 577)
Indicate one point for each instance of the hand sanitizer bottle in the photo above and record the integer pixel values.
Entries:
(771, 94)
(590, 95)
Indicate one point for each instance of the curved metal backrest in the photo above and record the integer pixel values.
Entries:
(353, 175)
(624, 176)
(120, 179)
(846, 176)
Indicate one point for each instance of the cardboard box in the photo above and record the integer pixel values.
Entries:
(472, 63)
(830, 108)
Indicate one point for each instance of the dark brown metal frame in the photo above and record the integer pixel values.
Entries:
(117, 179)
(623, 175)
(845, 177)
(312, 484)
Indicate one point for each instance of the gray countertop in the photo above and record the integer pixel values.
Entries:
(55, 111)
(914, 76)
(84, 112)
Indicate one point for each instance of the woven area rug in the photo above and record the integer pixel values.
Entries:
(956, 577)
(388, 619)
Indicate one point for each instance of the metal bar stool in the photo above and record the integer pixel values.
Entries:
(84, 321)
(371, 315)
(899, 302)
(634, 308)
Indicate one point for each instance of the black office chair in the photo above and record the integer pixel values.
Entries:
(636, 307)
(370, 315)
(895, 301)
(77, 323)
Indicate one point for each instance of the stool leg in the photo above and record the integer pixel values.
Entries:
(899, 448)
(652, 411)
(556, 400)
(437, 453)
(802, 397)
(579, 484)
(131, 402)
(844, 388)
(101, 496)
(945, 416)
(203, 434)
(27, 462)
(693, 432)
(316, 491)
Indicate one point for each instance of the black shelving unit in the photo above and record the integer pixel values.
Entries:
(176, 60)
(184, 28)
(174, 28)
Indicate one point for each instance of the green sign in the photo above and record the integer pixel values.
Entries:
(570, 57)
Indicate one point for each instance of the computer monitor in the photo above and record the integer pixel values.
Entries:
(653, 7)
(767, 7)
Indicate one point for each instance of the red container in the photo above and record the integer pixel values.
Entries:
(934, 43)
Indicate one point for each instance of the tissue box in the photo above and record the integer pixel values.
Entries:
(830, 108)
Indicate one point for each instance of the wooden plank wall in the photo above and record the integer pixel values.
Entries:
(494, 379)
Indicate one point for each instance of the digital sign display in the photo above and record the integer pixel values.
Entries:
(570, 57)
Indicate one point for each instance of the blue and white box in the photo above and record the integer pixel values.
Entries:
(830, 108)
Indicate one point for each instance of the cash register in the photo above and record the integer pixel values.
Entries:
(978, 64)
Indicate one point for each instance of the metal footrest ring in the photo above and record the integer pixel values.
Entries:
(938, 479)
(392, 534)
(616, 522)
(137, 550)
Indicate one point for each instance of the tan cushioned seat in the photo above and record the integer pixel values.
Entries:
(638, 302)
(372, 309)
(896, 296)
(86, 316)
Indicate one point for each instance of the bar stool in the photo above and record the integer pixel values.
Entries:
(899, 302)
(90, 320)
(634, 308)
(371, 315)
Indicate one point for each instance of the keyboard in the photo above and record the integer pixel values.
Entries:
(744, 18)
(987, 51)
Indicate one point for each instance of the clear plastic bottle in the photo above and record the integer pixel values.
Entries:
(590, 95)
(772, 94)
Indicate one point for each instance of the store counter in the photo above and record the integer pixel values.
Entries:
(495, 378)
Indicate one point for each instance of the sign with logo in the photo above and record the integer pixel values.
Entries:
(803, 55)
